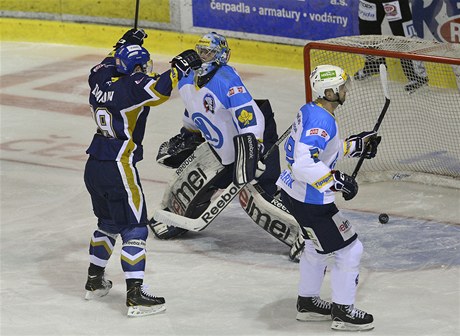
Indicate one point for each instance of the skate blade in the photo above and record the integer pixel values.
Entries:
(137, 311)
(312, 317)
(339, 325)
(91, 295)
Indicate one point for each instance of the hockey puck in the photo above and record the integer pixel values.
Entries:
(383, 218)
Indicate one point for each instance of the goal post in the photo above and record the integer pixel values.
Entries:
(421, 130)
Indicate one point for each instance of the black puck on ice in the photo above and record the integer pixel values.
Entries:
(383, 218)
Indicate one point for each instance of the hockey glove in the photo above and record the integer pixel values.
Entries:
(362, 144)
(174, 151)
(185, 62)
(132, 36)
(346, 184)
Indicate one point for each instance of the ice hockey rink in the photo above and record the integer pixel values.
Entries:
(231, 279)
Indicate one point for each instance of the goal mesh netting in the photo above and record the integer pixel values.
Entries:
(421, 129)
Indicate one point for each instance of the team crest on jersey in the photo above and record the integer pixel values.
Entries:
(236, 89)
(246, 116)
(209, 103)
(211, 133)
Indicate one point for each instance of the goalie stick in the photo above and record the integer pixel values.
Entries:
(216, 206)
(384, 82)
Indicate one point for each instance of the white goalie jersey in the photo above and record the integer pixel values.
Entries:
(221, 109)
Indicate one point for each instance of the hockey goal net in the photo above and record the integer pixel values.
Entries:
(421, 129)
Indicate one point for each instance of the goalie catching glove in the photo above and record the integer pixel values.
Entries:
(132, 36)
(362, 144)
(344, 183)
(185, 62)
(174, 151)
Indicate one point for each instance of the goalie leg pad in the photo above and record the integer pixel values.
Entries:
(269, 213)
(190, 192)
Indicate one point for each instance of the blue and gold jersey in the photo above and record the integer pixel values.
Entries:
(120, 105)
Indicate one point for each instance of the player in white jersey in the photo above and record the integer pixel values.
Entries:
(218, 107)
(308, 188)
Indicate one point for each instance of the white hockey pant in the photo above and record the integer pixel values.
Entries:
(344, 272)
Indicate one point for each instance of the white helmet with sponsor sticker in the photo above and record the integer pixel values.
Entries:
(326, 77)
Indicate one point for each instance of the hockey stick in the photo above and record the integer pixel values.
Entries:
(216, 206)
(384, 81)
(136, 15)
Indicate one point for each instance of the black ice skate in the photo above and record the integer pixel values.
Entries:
(371, 68)
(346, 317)
(313, 309)
(97, 286)
(165, 232)
(141, 303)
(415, 84)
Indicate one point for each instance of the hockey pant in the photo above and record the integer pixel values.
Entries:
(344, 272)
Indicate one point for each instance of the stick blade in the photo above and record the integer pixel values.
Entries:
(173, 219)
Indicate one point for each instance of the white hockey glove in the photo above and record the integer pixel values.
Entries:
(344, 183)
(364, 143)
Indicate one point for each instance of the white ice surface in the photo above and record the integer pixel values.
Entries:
(232, 278)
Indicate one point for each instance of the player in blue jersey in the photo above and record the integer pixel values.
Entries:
(122, 90)
(308, 187)
(218, 107)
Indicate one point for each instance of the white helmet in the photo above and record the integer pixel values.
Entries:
(327, 77)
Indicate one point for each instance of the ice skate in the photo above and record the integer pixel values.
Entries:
(313, 309)
(163, 231)
(346, 317)
(415, 84)
(370, 69)
(97, 286)
(141, 303)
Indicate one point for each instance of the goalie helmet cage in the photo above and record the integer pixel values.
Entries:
(421, 129)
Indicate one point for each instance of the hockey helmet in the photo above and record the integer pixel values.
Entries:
(129, 56)
(326, 77)
(213, 50)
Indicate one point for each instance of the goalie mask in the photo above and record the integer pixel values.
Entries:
(213, 50)
(326, 77)
(129, 56)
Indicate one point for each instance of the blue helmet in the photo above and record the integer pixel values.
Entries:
(128, 57)
(213, 50)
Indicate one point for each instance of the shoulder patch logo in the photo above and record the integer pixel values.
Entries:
(246, 117)
(236, 89)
